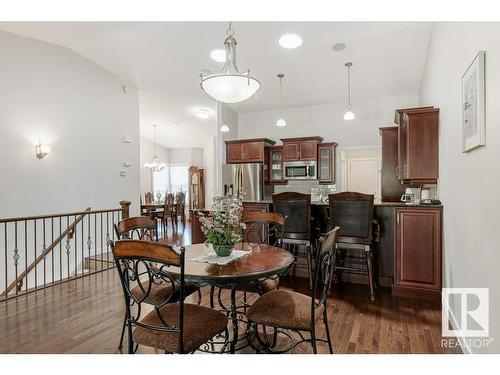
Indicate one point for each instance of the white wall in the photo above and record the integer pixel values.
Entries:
(469, 182)
(54, 95)
(327, 121)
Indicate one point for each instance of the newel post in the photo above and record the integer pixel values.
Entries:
(125, 209)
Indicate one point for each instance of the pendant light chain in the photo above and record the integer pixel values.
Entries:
(349, 64)
(230, 31)
(154, 129)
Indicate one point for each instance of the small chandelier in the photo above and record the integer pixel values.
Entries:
(349, 114)
(230, 86)
(154, 165)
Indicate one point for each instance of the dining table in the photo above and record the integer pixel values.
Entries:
(261, 261)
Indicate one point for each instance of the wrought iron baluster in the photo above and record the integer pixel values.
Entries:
(60, 249)
(36, 277)
(68, 246)
(89, 240)
(5, 251)
(25, 251)
(107, 239)
(76, 248)
(44, 247)
(101, 253)
(52, 252)
(83, 247)
(16, 254)
(95, 242)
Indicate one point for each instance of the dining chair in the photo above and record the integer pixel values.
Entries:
(180, 208)
(173, 325)
(168, 211)
(297, 208)
(144, 228)
(353, 212)
(289, 310)
(262, 228)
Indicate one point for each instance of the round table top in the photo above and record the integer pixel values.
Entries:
(263, 261)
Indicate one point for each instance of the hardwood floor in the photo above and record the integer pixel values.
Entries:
(85, 316)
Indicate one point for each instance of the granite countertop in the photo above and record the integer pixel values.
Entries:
(381, 204)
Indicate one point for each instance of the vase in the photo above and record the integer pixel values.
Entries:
(223, 250)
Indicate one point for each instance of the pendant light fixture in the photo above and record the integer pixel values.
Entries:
(349, 114)
(223, 128)
(154, 165)
(230, 86)
(281, 122)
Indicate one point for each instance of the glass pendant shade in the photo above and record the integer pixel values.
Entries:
(224, 128)
(281, 122)
(349, 114)
(230, 86)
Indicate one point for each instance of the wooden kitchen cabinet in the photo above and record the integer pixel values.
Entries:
(418, 252)
(418, 145)
(305, 148)
(248, 150)
(326, 163)
(392, 189)
(276, 171)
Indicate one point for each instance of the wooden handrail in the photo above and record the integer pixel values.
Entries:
(39, 217)
(68, 231)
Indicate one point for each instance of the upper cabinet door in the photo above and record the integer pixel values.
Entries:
(291, 151)
(253, 151)
(326, 163)
(234, 153)
(308, 150)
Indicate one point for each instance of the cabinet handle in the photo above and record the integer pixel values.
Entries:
(397, 171)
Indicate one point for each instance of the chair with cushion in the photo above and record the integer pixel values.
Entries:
(297, 208)
(288, 310)
(353, 212)
(173, 326)
(144, 228)
(261, 228)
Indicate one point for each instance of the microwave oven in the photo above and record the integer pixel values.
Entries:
(300, 170)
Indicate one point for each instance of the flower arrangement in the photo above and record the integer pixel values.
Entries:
(223, 228)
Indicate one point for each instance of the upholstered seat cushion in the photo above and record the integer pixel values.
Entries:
(265, 285)
(285, 309)
(159, 293)
(200, 325)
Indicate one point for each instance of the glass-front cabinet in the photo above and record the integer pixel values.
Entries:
(326, 163)
(276, 160)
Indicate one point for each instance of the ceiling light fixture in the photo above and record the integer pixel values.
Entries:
(42, 150)
(290, 41)
(154, 165)
(224, 128)
(230, 86)
(349, 115)
(203, 113)
(218, 55)
(338, 47)
(280, 122)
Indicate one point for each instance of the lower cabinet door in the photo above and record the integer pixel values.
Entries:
(418, 248)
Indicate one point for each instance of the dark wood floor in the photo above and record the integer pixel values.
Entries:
(85, 316)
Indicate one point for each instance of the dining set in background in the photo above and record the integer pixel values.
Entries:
(172, 207)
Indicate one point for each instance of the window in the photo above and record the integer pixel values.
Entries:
(173, 179)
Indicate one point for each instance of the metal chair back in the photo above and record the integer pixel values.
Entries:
(140, 228)
(264, 228)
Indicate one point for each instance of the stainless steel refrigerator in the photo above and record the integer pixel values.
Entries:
(245, 181)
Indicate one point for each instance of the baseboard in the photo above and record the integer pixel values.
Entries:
(403, 291)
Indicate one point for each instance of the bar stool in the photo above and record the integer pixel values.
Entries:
(296, 207)
(353, 213)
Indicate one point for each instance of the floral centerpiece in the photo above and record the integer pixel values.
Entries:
(223, 228)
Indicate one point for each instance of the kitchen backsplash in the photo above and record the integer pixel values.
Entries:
(317, 191)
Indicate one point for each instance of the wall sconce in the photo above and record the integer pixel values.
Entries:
(42, 150)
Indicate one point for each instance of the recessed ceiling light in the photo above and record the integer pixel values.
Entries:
(218, 55)
(290, 41)
(338, 47)
(203, 113)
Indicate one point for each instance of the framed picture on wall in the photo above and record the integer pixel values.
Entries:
(473, 105)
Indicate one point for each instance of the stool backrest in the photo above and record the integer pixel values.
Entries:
(297, 209)
(323, 270)
(353, 212)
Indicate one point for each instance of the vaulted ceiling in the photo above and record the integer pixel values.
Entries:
(164, 60)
